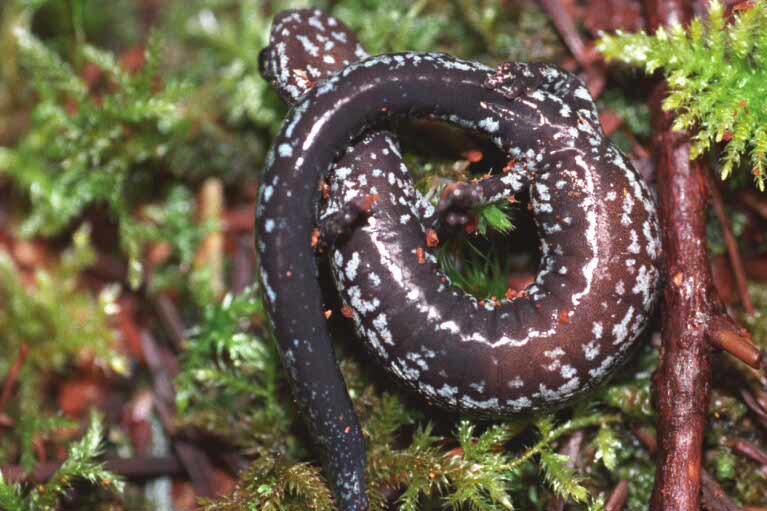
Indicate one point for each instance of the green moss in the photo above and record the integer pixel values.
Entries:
(717, 76)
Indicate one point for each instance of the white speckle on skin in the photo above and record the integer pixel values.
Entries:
(352, 265)
(285, 151)
(479, 387)
(591, 350)
(450, 326)
(489, 124)
(620, 330)
(447, 392)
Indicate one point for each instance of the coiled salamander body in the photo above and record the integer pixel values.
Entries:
(599, 273)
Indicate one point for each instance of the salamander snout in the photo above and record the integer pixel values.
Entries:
(264, 58)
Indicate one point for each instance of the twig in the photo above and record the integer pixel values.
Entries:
(714, 497)
(683, 377)
(754, 406)
(749, 450)
(694, 316)
(168, 314)
(618, 497)
(194, 459)
(726, 335)
(243, 263)
(732, 245)
(756, 269)
(240, 220)
(13, 375)
(755, 202)
(571, 448)
(129, 468)
(210, 256)
(568, 31)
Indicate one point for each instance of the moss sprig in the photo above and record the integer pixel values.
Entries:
(716, 71)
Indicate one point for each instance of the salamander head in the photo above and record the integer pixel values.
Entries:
(306, 46)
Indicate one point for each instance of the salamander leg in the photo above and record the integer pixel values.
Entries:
(455, 204)
(337, 226)
(457, 200)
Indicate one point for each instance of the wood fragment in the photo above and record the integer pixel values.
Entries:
(243, 264)
(725, 335)
(732, 245)
(135, 469)
(713, 496)
(618, 497)
(195, 461)
(210, 256)
(753, 404)
(690, 302)
(13, 376)
(589, 60)
(749, 450)
(755, 202)
(169, 316)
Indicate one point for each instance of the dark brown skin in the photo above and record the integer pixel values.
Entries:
(594, 291)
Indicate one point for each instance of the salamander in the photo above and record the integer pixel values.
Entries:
(598, 278)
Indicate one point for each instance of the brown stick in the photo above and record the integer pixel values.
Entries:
(210, 255)
(13, 375)
(755, 406)
(754, 201)
(618, 497)
(170, 318)
(726, 335)
(732, 245)
(129, 468)
(243, 264)
(713, 496)
(568, 31)
(683, 378)
(571, 449)
(194, 459)
(750, 451)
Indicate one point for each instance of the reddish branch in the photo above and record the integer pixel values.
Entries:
(618, 497)
(243, 263)
(732, 246)
(683, 376)
(755, 405)
(750, 451)
(713, 496)
(13, 376)
(754, 201)
(694, 318)
(571, 449)
(163, 369)
(129, 468)
(568, 31)
(572, 38)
